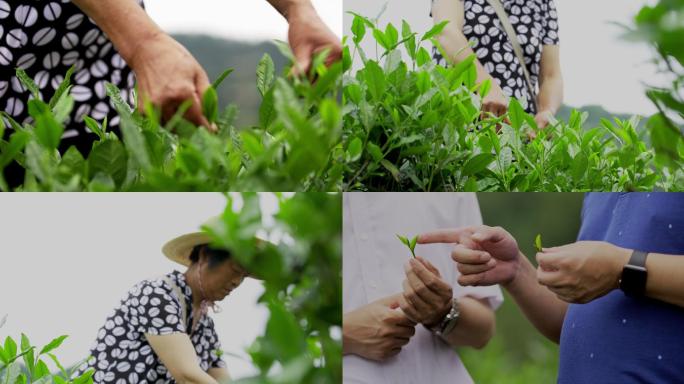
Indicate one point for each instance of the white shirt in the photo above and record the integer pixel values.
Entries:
(373, 260)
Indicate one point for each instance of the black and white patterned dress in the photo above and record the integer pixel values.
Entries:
(535, 22)
(47, 37)
(121, 353)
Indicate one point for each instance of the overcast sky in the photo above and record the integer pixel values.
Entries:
(598, 68)
(68, 259)
(239, 19)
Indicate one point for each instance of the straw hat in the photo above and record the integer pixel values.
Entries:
(180, 248)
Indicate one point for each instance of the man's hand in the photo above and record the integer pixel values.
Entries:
(484, 255)
(168, 75)
(308, 35)
(582, 271)
(426, 298)
(378, 330)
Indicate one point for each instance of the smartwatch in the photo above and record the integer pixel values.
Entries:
(634, 275)
(444, 327)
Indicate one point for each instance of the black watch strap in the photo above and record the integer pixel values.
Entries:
(634, 275)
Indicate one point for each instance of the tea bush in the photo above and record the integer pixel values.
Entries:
(300, 124)
(24, 363)
(414, 125)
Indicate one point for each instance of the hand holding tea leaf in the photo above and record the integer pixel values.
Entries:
(583, 271)
(411, 244)
(427, 297)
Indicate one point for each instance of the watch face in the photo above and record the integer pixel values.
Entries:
(633, 280)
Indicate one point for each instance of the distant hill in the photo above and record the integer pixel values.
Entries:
(218, 54)
(596, 113)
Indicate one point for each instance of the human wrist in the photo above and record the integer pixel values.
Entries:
(132, 52)
(299, 10)
(620, 257)
(523, 270)
(439, 316)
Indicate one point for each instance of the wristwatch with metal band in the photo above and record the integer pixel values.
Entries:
(444, 327)
(634, 275)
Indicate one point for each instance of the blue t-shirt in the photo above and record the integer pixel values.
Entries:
(618, 339)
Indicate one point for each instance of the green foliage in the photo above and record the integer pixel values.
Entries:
(302, 280)
(410, 243)
(21, 364)
(660, 25)
(494, 364)
(416, 126)
(292, 148)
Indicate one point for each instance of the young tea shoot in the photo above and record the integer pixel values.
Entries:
(538, 243)
(410, 243)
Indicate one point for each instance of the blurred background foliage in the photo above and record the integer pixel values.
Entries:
(301, 265)
(518, 353)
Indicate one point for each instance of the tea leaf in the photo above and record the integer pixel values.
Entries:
(219, 80)
(10, 348)
(210, 104)
(28, 83)
(55, 343)
(63, 87)
(412, 245)
(110, 158)
(354, 150)
(265, 74)
(538, 243)
(434, 31)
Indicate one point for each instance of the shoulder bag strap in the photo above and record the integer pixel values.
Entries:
(181, 300)
(513, 38)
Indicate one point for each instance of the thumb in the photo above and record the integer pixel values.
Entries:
(429, 266)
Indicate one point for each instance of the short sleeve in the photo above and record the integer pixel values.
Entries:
(491, 293)
(550, 20)
(215, 351)
(153, 310)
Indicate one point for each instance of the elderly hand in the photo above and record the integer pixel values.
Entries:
(496, 102)
(484, 255)
(378, 330)
(308, 35)
(426, 298)
(167, 75)
(582, 271)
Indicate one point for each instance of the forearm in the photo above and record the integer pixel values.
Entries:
(665, 280)
(457, 48)
(219, 374)
(541, 306)
(475, 326)
(123, 21)
(287, 8)
(550, 95)
(196, 377)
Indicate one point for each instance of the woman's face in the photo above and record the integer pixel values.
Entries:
(220, 280)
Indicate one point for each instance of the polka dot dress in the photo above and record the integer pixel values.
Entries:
(45, 38)
(535, 22)
(121, 353)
